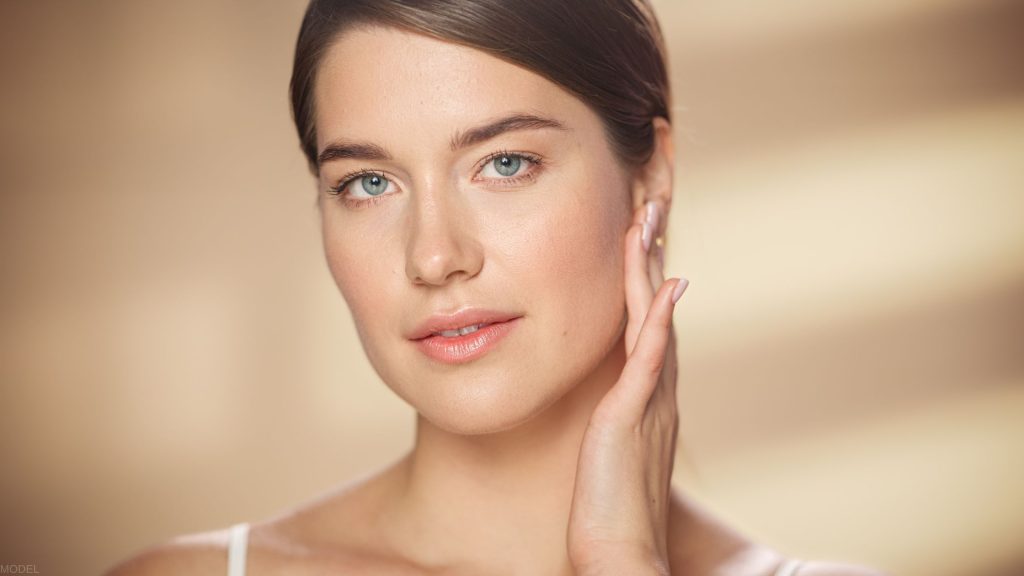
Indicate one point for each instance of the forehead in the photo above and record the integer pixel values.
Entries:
(378, 81)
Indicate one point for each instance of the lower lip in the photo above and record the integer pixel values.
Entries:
(462, 349)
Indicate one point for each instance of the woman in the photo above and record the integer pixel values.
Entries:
(494, 178)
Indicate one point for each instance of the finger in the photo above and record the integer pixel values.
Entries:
(639, 290)
(643, 369)
(655, 264)
(667, 387)
(672, 365)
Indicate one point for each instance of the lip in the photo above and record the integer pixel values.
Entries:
(460, 319)
(468, 347)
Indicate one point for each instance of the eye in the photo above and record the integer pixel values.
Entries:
(364, 185)
(506, 164)
(510, 166)
(373, 184)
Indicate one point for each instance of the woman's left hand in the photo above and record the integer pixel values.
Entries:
(618, 522)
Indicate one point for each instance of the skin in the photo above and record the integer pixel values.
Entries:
(553, 453)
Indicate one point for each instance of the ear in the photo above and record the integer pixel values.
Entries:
(653, 180)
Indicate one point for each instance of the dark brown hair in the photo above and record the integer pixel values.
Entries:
(609, 53)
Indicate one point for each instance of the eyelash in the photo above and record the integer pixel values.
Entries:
(529, 175)
(354, 202)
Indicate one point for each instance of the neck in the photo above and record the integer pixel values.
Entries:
(501, 499)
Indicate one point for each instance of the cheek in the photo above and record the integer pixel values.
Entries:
(584, 251)
(574, 259)
(360, 275)
(584, 244)
(578, 285)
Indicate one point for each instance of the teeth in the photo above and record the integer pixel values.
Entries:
(460, 331)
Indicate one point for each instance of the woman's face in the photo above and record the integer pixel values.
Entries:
(528, 221)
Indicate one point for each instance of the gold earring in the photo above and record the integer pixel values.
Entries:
(659, 241)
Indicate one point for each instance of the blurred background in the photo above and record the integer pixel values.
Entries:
(849, 206)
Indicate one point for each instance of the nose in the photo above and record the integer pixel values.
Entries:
(442, 245)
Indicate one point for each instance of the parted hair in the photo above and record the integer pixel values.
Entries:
(608, 53)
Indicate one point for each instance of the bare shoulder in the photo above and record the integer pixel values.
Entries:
(814, 568)
(200, 553)
(331, 532)
(762, 560)
(702, 543)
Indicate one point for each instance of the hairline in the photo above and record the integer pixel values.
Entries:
(365, 22)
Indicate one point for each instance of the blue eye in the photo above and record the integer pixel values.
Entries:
(506, 165)
(509, 167)
(374, 184)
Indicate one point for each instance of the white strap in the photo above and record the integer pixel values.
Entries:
(237, 548)
(789, 567)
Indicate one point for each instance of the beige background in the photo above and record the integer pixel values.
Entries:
(849, 208)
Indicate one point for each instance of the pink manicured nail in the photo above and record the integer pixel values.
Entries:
(645, 235)
(679, 289)
(652, 216)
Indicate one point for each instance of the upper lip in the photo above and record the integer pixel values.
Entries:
(461, 319)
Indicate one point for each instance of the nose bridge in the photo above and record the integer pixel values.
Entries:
(441, 243)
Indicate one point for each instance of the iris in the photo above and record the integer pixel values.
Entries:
(506, 165)
(374, 184)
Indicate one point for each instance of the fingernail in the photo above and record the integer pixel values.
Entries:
(679, 289)
(653, 215)
(645, 235)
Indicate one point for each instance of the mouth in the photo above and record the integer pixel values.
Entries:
(462, 345)
(462, 323)
(461, 331)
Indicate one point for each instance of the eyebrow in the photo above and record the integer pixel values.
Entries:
(340, 149)
(500, 126)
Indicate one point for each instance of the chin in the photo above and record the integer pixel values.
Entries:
(483, 407)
